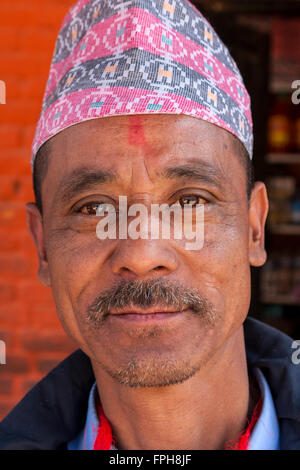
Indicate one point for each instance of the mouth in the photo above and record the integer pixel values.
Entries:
(146, 315)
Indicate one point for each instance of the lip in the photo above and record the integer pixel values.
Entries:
(154, 310)
(150, 317)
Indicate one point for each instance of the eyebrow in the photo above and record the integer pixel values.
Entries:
(196, 170)
(84, 179)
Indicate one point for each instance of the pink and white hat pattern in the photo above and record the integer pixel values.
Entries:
(141, 57)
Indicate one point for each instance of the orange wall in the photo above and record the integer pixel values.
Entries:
(34, 339)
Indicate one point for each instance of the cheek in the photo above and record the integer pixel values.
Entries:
(221, 268)
(76, 269)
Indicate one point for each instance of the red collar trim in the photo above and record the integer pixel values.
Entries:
(242, 441)
(105, 439)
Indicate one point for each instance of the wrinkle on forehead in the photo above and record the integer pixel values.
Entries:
(142, 145)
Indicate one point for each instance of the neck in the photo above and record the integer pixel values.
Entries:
(204, 412)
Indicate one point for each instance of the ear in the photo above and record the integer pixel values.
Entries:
(258, 211)
(36, 230)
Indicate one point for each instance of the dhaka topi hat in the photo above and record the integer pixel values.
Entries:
(141, 57)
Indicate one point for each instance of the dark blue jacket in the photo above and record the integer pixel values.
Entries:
(54, 411)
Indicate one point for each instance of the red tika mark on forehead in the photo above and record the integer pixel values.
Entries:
(136, 134)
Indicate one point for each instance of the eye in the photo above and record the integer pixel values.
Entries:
(191, 200)
(95, 208)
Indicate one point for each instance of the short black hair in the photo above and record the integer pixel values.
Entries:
(40, 169)
(43, 155)
(243, 156)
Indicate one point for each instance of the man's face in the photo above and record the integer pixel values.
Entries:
(150, 159)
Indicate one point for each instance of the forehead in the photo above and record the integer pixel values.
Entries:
(116, 142)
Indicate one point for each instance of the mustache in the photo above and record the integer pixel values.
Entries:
(150, 292)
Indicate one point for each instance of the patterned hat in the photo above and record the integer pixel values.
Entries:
(141, 57)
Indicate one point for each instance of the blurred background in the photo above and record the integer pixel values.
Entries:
(264, 39)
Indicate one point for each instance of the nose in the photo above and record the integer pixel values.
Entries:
(143, 259)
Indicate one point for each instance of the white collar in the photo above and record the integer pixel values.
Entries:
(265, 434)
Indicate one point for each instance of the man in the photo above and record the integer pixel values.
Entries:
(144, 102)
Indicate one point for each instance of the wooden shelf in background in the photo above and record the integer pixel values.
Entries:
(281, 158)
(280, 299)
(285, 229)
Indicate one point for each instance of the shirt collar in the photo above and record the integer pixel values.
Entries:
(265, 434)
